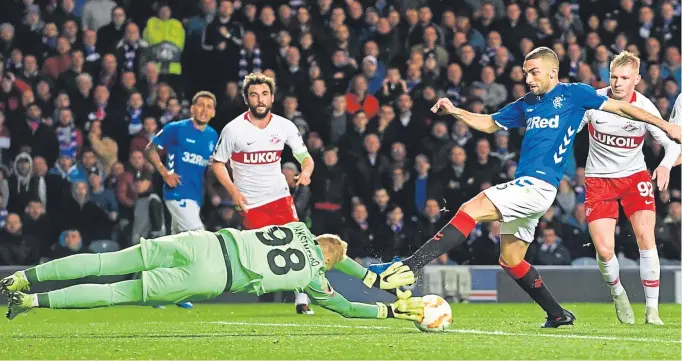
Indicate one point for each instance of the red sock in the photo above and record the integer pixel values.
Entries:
(518, 271)
(463, 222)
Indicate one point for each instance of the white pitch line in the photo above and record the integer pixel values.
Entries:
(463, 331)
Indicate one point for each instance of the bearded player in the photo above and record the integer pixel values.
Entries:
(189, 145)
(253, 144)
(616, 172)
(551, 113)
(200, 265)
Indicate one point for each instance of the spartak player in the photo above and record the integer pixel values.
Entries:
(253, 144)
(616, 172)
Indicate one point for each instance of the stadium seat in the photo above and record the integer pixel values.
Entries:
(104, 246)
(584, 261)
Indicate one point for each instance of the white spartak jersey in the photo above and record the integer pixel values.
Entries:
(255, 156)
(616, 142)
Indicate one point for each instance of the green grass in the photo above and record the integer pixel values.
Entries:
(274, 331)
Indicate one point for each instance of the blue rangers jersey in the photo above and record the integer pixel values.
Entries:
(551, 120)
(188, 152)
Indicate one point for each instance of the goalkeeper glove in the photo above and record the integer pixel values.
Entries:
(405, 308)
(397, 275)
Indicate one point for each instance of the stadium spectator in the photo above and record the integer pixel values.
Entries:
(330, 188)
(551, 251)
(16, 246)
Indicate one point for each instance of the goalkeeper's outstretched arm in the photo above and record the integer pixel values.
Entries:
(403, 277)
(322, 293)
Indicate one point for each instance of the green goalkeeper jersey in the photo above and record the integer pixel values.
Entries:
(276, 258)
(286, 258)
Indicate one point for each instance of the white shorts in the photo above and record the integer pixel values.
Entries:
(185, 216)
(521, 202)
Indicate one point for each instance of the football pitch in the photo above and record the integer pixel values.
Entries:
(274, 331)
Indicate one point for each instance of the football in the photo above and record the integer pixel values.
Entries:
(437, 315)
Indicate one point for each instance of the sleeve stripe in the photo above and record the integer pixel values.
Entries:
(500, 125)
(603, 104)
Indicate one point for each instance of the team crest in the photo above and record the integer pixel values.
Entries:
(275, 139)
(557, 102)
(630, 127)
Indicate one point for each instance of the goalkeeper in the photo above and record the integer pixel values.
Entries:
(200, 265)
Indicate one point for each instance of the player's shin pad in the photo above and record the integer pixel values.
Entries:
(397, 275)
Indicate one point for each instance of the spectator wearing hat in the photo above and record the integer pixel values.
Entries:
(104, 198)
(23, 186)
(69, 243)
(373, 75)
(67, 168)
(148, 218)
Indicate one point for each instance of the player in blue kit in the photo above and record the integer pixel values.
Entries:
(189, 144)
(551, 113)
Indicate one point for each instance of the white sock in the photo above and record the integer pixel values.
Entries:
(611, 272)
(34, 300)
(302, 298)
(650, 272)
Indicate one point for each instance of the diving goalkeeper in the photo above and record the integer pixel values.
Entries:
(200, 265)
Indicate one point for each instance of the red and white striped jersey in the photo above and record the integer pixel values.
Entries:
(255, 156)
(616, 142)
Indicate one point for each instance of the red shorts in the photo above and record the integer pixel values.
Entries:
(635, 193)
(275, 213)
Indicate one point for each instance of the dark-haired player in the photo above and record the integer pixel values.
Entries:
(551, 113)
(189, 145)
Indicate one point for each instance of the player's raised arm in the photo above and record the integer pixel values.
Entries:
(221, 154)
(482, 122)
(628, 110)
(163, 138)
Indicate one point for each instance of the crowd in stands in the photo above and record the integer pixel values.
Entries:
(84, 86)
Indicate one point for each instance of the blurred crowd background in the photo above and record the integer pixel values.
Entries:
(84, 85)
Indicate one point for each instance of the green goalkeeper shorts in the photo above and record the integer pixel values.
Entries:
(188, 266)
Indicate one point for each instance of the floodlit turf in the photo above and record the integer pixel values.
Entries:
(266, 331)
